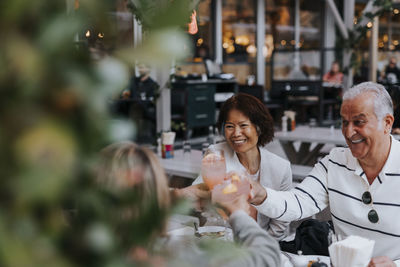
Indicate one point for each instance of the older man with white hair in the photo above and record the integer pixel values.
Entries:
(359, 183)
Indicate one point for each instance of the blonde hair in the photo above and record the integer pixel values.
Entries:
(126, 165)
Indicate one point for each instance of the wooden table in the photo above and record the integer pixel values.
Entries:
(306, 154)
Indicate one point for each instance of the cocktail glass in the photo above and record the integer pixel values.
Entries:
(232, 188)
(213, 167)
(237, 183)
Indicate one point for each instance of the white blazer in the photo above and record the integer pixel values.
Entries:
(275, 173)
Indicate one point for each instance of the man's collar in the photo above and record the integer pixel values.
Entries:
(391, 167)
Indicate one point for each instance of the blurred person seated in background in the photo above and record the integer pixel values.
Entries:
(358, 182)
(126, 169)
(247, 126)
(391, 74)
(395, 94)
(334, 76)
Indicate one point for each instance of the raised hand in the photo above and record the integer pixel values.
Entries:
(381, 261)
(258, 194)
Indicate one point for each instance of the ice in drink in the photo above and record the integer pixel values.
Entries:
(213, 168)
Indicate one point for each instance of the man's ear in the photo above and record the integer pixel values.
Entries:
(388, 123)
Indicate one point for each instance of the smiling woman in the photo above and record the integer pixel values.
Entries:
(247, 126)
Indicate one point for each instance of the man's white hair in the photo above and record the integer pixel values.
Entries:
(383, 104)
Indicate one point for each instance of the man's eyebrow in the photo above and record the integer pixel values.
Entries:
(360, 116)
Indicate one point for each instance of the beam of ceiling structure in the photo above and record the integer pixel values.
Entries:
(338, 19)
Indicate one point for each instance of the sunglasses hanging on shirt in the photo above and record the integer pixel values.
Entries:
(372, 214)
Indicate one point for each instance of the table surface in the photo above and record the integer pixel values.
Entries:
(185, 165)
(322, 135)
(313, 135)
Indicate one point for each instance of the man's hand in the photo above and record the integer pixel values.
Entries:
(258, 193)
(381, 261)
(126, 94)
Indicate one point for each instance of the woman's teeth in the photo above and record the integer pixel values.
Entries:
(239, 141)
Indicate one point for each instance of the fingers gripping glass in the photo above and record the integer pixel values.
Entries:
(372, 214)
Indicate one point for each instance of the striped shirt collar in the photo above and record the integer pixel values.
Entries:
(389, 170)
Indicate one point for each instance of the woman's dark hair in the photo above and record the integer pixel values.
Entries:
(252, 108)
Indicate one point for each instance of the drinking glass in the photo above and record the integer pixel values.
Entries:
(213, 167)
(224, 193)
(204, 148)
(186, 147)
(313, 123)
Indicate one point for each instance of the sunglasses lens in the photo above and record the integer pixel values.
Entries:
(366, 198)
(373, 216)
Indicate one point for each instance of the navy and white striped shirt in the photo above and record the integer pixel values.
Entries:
(339, 181)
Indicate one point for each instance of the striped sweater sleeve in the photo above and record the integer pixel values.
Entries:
(306, 199)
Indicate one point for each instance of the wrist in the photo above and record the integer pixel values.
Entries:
(260, 197)
(175, 192)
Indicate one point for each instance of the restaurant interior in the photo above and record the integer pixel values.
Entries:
(299, 40)
(79, 75)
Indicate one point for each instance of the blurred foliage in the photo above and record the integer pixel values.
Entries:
(157, 14)
(164, 24)
(359, 32)
(53, 122)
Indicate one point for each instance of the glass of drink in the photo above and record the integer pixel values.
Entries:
(237, 183)
(313, 123)
(225, 193)
(186, 147)
(213, 167)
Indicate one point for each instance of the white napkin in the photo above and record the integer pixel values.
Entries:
(354, 251)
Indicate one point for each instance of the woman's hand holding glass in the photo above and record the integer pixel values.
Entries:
(231, 193)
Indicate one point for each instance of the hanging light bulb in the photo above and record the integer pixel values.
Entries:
(192, 29)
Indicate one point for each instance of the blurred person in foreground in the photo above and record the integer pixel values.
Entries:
(126, 168)
(359, 182)
(247, 126)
